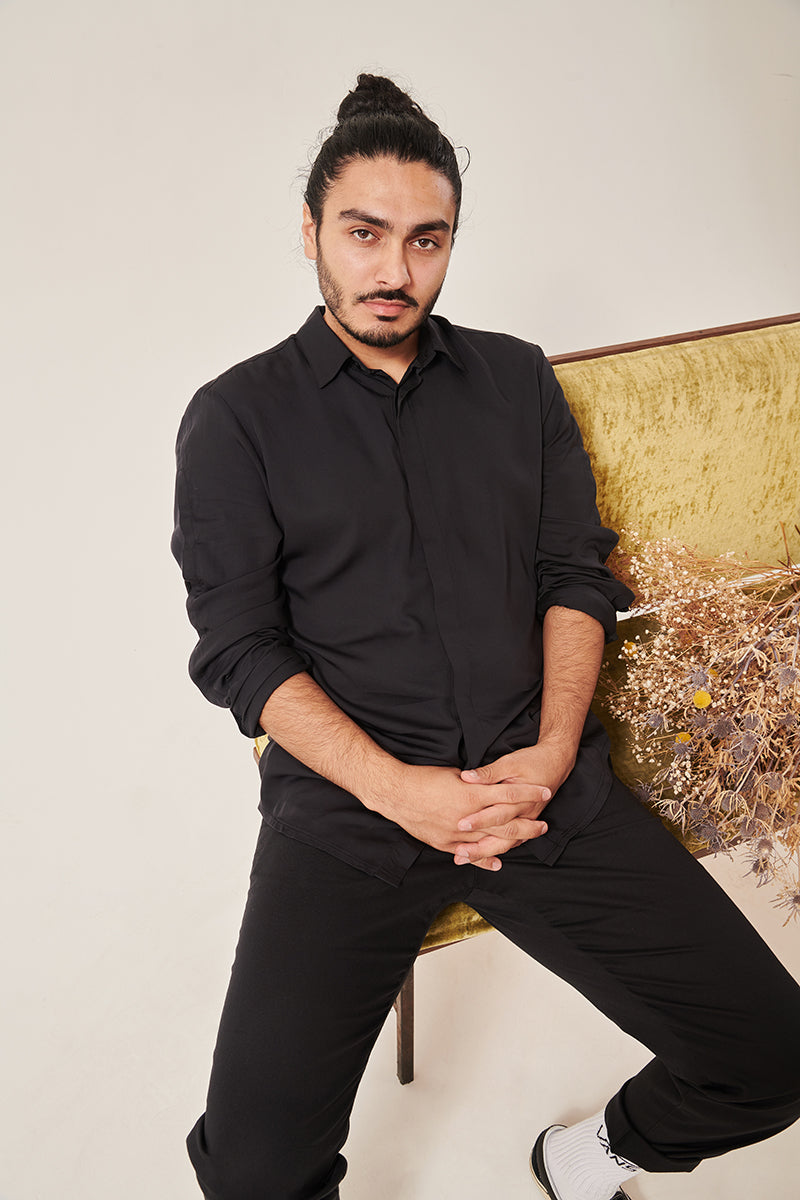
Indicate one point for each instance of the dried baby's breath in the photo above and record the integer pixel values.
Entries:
(710, 692)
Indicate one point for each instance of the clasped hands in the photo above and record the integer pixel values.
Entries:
(477, 815)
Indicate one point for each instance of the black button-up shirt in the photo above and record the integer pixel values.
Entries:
(401, 543)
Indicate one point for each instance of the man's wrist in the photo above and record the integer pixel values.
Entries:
(384, 785)
(563, 749)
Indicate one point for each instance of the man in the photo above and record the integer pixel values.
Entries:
(388, 531)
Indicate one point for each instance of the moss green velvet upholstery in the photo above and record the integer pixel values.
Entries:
(699, 440)
(453, 924)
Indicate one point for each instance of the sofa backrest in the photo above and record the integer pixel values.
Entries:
(697, 440)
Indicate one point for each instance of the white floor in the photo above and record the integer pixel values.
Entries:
(115, 978)
(504, 1049)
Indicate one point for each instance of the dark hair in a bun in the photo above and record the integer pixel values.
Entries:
(378, 119)
(376, 93)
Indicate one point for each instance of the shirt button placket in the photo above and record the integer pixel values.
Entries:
(434, 544)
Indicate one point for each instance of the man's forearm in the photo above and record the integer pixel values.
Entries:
(426, 801)
(573, 650)
(303, 719)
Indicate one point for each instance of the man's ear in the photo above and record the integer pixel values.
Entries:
(308, 229)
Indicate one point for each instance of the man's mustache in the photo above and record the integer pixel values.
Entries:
(394, 295)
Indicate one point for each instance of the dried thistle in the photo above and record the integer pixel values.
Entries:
(710, 691)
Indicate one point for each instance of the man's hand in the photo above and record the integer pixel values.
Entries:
(438, 805)
(531, 777)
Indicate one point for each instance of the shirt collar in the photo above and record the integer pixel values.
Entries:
(327, 354)
(436, 333)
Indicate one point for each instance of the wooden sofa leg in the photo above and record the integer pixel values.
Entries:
(404, 1007)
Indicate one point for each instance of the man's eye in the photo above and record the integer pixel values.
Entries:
(426, 243)
(362, 235)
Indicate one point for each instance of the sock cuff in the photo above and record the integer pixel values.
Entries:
(602, 1136)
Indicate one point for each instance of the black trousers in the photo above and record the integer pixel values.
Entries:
(626, 915)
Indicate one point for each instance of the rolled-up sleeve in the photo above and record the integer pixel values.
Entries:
(573, 545)
(227, 542)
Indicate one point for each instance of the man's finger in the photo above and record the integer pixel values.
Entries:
(505, 767)
(499, 814)
(499, 841)
(486, 818)
(487, 863)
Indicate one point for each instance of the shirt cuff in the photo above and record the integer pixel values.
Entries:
(603, 609)
(257, 689)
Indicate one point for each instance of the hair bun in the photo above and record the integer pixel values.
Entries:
(374, 94)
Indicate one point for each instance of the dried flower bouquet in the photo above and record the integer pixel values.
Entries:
(707, 683)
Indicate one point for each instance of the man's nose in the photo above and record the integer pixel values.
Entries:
(392, 269)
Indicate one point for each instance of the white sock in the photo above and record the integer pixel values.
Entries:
(580, 1163)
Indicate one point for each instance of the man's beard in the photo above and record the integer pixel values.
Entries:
(381, 338)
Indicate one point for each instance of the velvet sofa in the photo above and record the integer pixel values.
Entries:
(695, 437)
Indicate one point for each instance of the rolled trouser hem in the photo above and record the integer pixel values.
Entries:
(220, 1183)
(629, 1143)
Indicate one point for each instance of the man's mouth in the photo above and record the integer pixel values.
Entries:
(386, 308)
(388, 305)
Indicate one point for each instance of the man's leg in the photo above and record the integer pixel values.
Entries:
(641, 929)
(323, 951)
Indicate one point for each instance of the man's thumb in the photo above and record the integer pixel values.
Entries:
(479, 774)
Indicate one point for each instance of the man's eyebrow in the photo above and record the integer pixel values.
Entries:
(437, 224)
(357, 214)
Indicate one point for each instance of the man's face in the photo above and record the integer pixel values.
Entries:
(382, 249)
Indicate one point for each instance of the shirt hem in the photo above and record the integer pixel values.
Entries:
(391, 873)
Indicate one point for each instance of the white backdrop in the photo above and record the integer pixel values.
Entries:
(634, 173)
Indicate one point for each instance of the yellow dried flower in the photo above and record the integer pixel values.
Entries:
(683, 737)
(701, 699)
